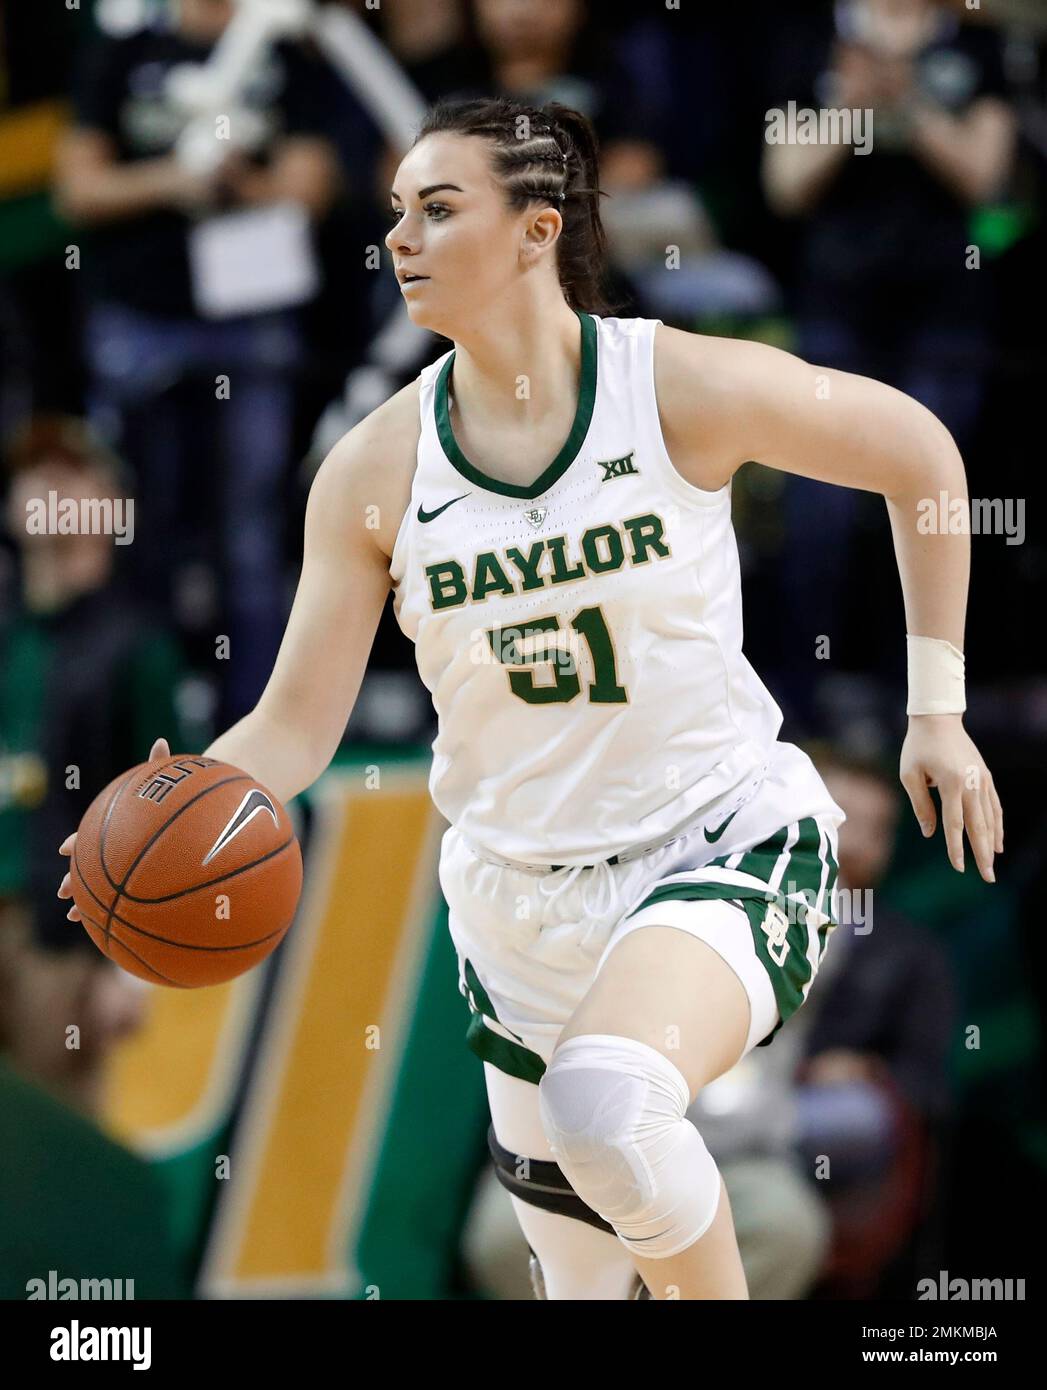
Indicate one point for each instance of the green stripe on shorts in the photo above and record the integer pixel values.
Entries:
(508, 1056)
(824, 930)
(778, 922)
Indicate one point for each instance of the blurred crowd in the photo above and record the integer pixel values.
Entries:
(193, 334)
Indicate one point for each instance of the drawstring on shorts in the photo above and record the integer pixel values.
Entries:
(595, 912)
(564, 875)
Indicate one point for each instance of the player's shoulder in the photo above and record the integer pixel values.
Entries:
(386, 438)
(396, 420)
(699, 377)
(677, 350)
(373, 464)
(707, 390)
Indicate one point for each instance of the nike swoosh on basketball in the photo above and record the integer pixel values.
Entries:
(424, 516)
(717, 833)
(254, 802)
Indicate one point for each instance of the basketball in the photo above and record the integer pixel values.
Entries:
(186, 871)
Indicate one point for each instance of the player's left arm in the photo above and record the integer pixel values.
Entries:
(723, 402)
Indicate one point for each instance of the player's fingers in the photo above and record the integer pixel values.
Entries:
(74, 914)
(989, 812)
(989, 816)
(922, 802)
(68, 844)
(978, 833)
(160, 749)
(65, 888)
(952, 822)
(997, 816)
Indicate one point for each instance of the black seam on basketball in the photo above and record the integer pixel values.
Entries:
(109, 909)
(158, 973)
(112, 801)
(240, 777)
(105, 827)
(184, 892)
(109, 918)
(166, 940)
(161, 977)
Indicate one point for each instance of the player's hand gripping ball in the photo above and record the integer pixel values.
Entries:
(186, 871)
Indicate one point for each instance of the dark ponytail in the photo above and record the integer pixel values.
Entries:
(543, 154)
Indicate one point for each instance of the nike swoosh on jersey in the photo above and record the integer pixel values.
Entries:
(717, 833)
(424, 516)
(254, 802)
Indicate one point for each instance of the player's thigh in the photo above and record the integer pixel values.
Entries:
(671, 990)
(515, 1115)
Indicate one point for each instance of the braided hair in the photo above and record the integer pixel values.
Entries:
(547, 154)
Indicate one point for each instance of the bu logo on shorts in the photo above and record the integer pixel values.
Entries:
(776, 924)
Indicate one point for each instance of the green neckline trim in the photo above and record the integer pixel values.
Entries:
(579, 429)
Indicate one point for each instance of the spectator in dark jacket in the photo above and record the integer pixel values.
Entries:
(183, 359)
(888, 284)
(88, 678)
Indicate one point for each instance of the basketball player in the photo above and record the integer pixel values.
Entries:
(639, 873)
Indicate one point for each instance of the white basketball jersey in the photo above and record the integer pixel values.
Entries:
(581, 637)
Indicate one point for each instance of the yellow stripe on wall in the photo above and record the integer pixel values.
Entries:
(28, 136)
(314, 1112)
(169, 1085)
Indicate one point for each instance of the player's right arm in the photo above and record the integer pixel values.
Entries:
(355, 506)
(354, 511)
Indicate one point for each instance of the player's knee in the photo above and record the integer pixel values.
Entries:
(614, 1112)
(592, 1101)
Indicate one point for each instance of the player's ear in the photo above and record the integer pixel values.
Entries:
(541, 230)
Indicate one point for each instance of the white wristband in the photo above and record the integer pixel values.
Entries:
(936, 684)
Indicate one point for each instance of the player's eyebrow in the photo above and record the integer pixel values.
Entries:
(432, 188)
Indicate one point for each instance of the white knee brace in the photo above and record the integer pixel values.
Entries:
(613, 1112)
